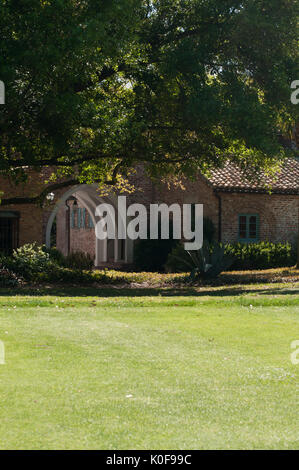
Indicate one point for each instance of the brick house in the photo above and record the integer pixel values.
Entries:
(241, 210)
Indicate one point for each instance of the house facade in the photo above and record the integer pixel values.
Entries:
(240, 209)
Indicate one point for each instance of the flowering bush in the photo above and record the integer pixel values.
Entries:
(30, 259)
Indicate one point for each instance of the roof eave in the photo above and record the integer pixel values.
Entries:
(281, 191)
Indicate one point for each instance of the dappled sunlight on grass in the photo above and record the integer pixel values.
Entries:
(282, 281)
(231, 277)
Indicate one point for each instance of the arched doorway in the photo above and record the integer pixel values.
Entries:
(105, 251)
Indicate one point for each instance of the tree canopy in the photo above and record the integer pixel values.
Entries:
(94, 87)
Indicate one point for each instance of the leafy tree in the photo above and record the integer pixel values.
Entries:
(94, 87)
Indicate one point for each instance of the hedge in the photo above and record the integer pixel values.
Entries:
(262, 255)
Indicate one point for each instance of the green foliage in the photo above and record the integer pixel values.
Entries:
(209, 261)
(178, 260)
(208, 229)
(29, 260)
(251, 256)
(8, 278)
(79, 260)
(61, 275)
(29, 265)
(206, 263)
(35, 263)
(145, 81)
(55, 255)
(262, 255)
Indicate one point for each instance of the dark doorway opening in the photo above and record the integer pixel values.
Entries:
(9, 232)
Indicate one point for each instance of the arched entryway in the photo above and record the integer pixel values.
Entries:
(87, 197)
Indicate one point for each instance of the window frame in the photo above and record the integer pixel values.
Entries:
(248, 239)
(90, 221)
(73, 216)
(83, 217)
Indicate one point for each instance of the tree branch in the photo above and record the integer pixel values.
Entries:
(54, 161)
(39, 199)
(105, 73)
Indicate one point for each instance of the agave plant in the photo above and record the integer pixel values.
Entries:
(209, 261)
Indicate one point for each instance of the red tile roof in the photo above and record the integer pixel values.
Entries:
(231, 178)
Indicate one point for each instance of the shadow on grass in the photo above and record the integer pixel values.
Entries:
(147, 292)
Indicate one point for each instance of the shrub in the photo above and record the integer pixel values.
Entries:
(206, 263)
(80, 261)
(9, 278)
(32, 262)
(55, 255)
(178, 260)
(210, 261)
(29, 260)
(62, 275)
(262, 255)
(35, 263)
(6, 262)
(208, 229)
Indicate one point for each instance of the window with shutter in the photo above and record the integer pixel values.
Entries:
(248, 228)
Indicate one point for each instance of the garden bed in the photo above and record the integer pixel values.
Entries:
(144, 280)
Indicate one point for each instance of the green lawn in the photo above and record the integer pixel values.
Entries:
(128, 370)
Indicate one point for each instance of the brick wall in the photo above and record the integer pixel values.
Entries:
(62, 231)
(31, 216)
(278, 215)
(83, 238)
(192, 192)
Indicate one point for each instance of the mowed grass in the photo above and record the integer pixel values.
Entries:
(149, 372)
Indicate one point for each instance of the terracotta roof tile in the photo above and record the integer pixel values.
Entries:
(230, 178)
